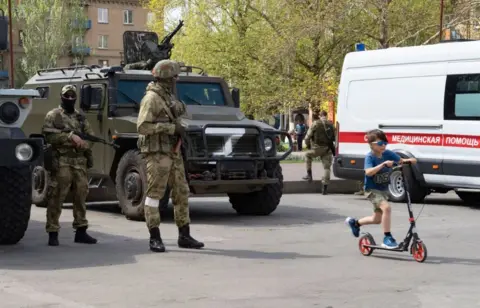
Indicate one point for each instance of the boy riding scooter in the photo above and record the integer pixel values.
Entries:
(378, 164)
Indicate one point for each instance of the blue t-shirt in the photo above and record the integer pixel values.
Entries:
(380, 180)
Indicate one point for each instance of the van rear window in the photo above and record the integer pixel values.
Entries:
(463, 97)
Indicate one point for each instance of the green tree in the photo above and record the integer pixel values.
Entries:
(50, 29)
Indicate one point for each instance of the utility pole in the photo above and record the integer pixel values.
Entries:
(441, 21)
(10, 43)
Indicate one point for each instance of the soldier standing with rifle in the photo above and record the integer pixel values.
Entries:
(319, 141)
(71, 157)
(159, 128)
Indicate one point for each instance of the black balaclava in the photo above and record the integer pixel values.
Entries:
(68, 101)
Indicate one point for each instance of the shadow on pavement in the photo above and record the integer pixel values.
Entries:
(220, 212)
(252, 254)
(431, 259)
(32, 252)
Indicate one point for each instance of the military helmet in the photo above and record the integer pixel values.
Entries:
(166, 69)
(69, 91)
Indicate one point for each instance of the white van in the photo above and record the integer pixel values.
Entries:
(427, 100)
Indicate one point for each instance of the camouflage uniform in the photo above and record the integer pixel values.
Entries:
(317, 142)
(69, 170)
(159, 128)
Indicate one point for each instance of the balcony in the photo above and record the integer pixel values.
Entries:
(80, 50)
(86, 24)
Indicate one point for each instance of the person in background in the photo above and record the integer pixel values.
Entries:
(319, 141)
(300, 130)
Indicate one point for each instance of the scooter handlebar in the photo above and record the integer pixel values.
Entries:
(399, 167)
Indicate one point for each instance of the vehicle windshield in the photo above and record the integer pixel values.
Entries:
(191, 93)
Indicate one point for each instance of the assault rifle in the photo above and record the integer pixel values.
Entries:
(84, 136)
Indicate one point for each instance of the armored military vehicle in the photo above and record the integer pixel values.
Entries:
(224, 152)
(20, 154)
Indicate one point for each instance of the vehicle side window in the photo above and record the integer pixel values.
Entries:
(462, 97)
(130, 92)
(43, 91)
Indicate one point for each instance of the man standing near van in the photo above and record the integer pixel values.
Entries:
(319, 140)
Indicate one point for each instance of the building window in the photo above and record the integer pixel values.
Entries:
(462, 97)
(103, 41)
(102, 16)
(128, 17)
(20, 38)
(103, 63)
(150, 18)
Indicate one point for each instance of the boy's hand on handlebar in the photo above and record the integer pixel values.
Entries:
(388, 163)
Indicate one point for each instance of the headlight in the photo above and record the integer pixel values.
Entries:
(23, 152)
(268, 144)
(9, 113)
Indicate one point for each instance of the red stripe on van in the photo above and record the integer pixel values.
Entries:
(461, 141)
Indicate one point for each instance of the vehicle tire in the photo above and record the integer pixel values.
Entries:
(130, 185)
(15, 204)
(263, 202)
(396, 191)
(470, 198)
(40, 184)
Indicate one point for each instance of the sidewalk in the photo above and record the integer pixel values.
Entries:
(294, 184)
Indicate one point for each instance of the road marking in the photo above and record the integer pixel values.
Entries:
(28, 292)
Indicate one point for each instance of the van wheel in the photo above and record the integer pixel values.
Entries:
(470, 198)
(131, 181)
(396, 191)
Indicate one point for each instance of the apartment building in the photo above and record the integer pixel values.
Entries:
(102, 42)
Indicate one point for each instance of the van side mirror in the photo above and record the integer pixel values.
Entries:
(236, 97)
(85, 98)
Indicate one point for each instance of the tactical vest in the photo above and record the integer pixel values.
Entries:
(68, 155)
(162, 143)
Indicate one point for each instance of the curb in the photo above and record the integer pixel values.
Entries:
(335, 187)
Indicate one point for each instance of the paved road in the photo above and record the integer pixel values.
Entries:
(300, 256)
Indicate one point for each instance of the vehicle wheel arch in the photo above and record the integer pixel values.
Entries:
(416, 169)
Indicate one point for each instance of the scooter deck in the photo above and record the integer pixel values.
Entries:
(399, 249)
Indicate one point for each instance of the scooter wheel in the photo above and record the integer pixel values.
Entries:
(419, 251)
(366, 239)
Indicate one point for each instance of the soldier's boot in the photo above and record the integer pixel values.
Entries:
(185, 240)
(82, 237)
(53, 239)
(308, 177)
(324, 190)
(156, 243)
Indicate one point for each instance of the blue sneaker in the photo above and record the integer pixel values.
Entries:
(351, 223)
(389, 242)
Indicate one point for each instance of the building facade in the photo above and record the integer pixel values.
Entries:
(101, 43)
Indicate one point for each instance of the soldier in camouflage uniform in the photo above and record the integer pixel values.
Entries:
(159, 127)
(71, 158)
(318, 145)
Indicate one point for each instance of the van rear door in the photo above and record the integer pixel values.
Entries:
(461, 139)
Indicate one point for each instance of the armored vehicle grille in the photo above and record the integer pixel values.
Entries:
(246, 144)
